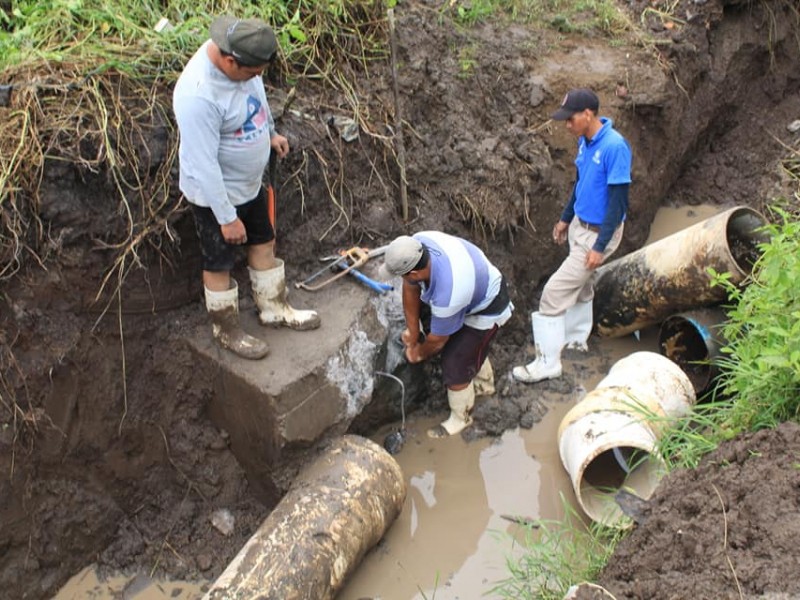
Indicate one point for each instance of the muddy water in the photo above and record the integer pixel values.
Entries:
(669, 220)
(454, 533)
(87, 585)
(452, 537)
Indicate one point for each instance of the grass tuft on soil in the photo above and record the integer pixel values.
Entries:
(87, 82)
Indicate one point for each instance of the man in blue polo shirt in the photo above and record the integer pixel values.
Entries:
(592, 221)
(469, 301)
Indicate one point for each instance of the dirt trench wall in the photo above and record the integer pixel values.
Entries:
(119, 457)
(714, 133)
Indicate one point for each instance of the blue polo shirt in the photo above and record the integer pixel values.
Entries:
(602, 161)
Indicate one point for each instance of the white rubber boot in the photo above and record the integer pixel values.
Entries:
(461, 403)
(484, 379)
(548, 336)
(578, 325)
(269, 293)
(224, 310)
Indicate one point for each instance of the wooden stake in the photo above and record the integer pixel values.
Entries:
(398, 120)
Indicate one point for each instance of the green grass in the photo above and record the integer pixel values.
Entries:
(600, 17)
(685, 443)
(761, 362)
(313, 35)
(555, 554)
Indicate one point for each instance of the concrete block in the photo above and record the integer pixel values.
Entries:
(309, 388)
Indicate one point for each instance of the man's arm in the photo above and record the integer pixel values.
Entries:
(569, 210)
(617, 208)
(411, 310)
(432, 345)
(279, 144)
(417, 351)
(561, 227)
(199, 124)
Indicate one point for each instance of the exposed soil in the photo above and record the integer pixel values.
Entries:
(727, 529)
(109, 451)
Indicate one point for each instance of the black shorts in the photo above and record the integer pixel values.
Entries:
(218, 255)
(464, 353)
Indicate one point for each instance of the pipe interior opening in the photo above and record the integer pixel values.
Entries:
(682, 343)
(633, 469)
(743, 236)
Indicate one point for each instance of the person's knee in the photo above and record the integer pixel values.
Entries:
(457, 387)
(217, 281)
(550, 304)
(261, 256)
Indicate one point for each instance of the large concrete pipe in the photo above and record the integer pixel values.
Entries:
(693, 340)
(608, 441)
(336, 510)
(671, 275)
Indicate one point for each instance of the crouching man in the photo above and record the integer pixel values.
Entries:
(468, 300)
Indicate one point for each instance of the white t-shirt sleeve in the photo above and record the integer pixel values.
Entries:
(199, 122)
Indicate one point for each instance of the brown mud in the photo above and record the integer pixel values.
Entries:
(727, 529)
(108, 453)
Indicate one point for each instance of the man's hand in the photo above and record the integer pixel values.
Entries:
(234, 232)
(419, 351)
(409, 339)
(414, 353)
(279, 144)
(411, 342)
(594, 259)
(560, 232)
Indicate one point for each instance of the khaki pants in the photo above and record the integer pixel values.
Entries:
(573, 282)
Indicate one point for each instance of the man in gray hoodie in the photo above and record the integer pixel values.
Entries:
(226, 136)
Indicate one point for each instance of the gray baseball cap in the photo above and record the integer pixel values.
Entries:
(402, 255)
(250, 41)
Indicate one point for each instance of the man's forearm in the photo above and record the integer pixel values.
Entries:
(432, 345)
(569, 210)
(411, 308)
(615, 212)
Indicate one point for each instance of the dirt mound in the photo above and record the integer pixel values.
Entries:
(727, 529)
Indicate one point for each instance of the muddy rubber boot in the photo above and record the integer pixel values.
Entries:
(484, 380)
(224, 310)
(269, 293)
(548, 336)
(460, 402)
(578, 326)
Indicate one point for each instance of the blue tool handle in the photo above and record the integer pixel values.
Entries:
(379, 287)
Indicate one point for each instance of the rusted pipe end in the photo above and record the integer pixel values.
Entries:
(693, 340)
(674, 274)
(744, 234)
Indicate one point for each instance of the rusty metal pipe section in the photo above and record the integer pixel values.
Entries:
(693, 340)
(338, 508)
(671, 275)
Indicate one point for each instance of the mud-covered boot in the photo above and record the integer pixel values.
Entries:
(548, 336)
(578, 325)
(224, 310)
(460, 402)
(484, 380)
(269, 293)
